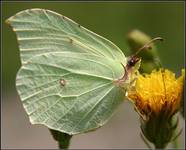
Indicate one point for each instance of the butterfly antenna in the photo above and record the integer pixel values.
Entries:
(147, 45)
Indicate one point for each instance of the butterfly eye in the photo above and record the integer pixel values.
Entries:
(132, 61)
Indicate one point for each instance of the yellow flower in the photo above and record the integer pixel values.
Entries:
(157, 92)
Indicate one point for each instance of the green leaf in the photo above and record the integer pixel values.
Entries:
(67, 73)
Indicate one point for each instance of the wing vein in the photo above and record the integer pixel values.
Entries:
(73, 103)
(92, 108)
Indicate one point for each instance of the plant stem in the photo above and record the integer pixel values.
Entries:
(63, 139)
(159, 146)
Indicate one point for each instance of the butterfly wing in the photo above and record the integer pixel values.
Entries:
(39, 31)
(53, 48)
(85, 102)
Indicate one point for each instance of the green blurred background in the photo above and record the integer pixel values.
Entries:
(113, 20)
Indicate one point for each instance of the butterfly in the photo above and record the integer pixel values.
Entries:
(71, 79)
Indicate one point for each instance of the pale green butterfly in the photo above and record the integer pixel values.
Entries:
(71, 79)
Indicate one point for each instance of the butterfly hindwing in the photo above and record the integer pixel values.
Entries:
(85, 102)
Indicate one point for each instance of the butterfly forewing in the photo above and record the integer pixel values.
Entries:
(40, 31)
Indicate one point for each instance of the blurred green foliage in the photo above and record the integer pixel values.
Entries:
(113, 20)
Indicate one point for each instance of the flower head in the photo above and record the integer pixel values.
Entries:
(157, 97)
(157, 92)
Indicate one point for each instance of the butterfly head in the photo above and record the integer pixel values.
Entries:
(132, 66)
(132, 61)
(130, 73)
